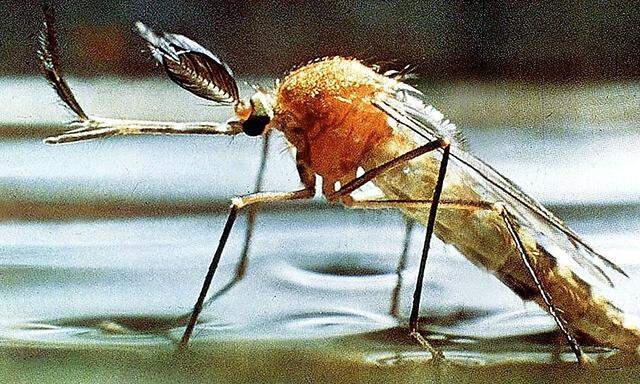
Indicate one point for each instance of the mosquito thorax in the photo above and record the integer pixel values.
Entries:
(325, 111)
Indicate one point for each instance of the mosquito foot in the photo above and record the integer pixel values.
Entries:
(436, 354)
(585, 360)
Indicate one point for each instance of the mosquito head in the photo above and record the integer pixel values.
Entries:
(199, 71)
(256, 113)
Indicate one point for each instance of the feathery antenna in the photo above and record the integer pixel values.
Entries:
(192, 66)
(50, 62)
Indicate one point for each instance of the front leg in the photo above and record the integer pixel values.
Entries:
(238, 203)
(93, 127)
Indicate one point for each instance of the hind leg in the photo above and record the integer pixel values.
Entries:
(546, 297)
(344, 194)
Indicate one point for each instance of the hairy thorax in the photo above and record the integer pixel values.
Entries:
(325, 110)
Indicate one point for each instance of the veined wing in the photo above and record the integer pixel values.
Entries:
(408, 109)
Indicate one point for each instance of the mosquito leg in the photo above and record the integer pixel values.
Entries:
(241, 267)
(237, 204)
(395, 295)
(413, 319)
(371, 174)
(99, 127)
(308, 180)
(422, 204)
(500, 209)
(546, 297)
(366, 177)
(233, 213)
(410, 223)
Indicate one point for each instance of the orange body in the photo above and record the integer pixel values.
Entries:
(324, 109)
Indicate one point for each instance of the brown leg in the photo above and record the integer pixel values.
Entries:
(358, 182)
(308, 180)
(546, 297)
(237, 204)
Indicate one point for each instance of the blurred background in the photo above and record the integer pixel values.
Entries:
(559, 40)
(104, 244)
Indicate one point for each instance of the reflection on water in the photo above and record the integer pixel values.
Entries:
(89, 293)
(126, 283)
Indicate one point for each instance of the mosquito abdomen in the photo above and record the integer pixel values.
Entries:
(481, 236)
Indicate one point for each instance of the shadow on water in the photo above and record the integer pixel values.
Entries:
(385, 356)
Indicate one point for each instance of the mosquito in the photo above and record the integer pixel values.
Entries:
(352, 125)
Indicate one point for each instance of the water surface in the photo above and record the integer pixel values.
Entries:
(104, 245)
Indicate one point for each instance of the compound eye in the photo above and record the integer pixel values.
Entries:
(255, 125)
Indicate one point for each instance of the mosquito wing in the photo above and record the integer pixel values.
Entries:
(407, 107)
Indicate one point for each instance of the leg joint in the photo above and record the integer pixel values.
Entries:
(241, 202)
(238, 203)
(499, 207)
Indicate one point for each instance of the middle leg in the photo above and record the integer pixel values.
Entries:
(344, 194)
